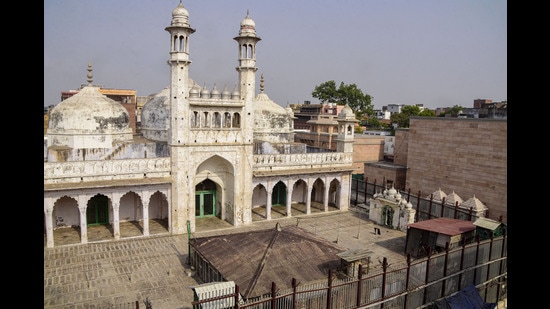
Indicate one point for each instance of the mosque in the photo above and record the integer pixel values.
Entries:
(201, 153)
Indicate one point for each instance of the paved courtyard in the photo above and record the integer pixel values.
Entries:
(107, 274)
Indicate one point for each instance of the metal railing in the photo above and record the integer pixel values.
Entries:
(419, 284)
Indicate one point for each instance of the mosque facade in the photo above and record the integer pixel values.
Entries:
(200, 153)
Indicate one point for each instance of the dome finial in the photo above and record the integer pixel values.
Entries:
(90, 75)
(262, 83)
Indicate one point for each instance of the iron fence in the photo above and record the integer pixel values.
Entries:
(417, 285)
(426, 208)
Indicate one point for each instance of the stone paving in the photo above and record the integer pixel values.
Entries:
(108, 273)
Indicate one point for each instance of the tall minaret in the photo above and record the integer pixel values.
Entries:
(179, 62)
(180, 30)
(247, 40)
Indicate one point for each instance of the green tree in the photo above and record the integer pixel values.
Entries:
(402, 118)
(454, 111)
(349, 94)
(427, 113)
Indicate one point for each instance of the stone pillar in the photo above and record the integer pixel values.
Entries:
(48, 218)
(268, 204)
(146, 217)
(308, 199)
(288, 201)
(82, 205)
(116, 219)
(325, 198)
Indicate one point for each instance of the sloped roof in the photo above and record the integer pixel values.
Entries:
(487, 223)
(438, 195)
(256, 259)
(446, 226)
(474, 203)
(453, 198)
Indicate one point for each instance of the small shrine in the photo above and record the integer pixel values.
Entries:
(391, 210)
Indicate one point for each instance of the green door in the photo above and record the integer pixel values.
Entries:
(278, 197)
(205, 203)
(97, 211)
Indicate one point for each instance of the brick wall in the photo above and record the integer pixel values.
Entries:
(366, 148)
(467, 156)
(401, 146)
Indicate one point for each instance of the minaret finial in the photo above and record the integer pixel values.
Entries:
(262, 83)
(247, 14)
(90, 75)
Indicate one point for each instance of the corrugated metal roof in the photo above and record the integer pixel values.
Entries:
(446, 226)
(487, 223)
(256, 259)
(213, 289)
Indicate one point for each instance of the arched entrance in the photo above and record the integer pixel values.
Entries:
(97, 212)
(205, 199)
(278, 197)
(387, 216)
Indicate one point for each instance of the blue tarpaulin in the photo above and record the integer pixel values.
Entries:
(467, 298)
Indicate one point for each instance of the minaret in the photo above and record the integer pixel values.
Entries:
(346, 125)
(247, 40)
(179, 62)
(181, 208)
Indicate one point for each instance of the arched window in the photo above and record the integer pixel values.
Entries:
(205, 120)
(217, 120)
(236, 120)
(227, 120)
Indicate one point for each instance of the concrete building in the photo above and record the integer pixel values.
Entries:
(202, 152)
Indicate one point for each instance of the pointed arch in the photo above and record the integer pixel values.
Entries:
(97, 210)
(278, 194)
(220, 173)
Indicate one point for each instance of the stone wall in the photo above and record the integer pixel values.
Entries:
(467, 156)
(366, 148)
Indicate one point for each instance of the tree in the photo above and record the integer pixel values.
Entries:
(402, 118)
(360, 103)
(454, 111)
(427, 113)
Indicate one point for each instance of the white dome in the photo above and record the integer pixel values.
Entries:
(88, 119)
(180, 16)
(155, 116)
(248, 26)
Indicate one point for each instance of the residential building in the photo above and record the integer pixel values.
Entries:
(316, 125)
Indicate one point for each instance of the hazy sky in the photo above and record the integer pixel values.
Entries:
(439, 53)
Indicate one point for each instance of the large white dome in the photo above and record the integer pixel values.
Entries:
(88, 119)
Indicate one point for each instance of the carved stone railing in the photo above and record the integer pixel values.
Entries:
(68, 172)
(303, 160)
(83, 171)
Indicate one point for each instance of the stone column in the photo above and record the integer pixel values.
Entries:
(82, 205)
(268, 204)
(308, 199)
(325, 198)
(116, 219)
(288, 201)
(146, 217)
(48, 213)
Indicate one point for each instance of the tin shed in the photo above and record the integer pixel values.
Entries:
(487, 228)
(436, 233)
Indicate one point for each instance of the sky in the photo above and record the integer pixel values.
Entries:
(439, 53)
